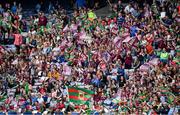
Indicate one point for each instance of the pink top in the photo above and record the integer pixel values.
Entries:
(18, 39)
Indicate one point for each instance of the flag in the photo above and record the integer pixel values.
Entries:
(79, 95)
(66, 28)
(26, 88)
(106, 56)
(3, 98)
(144, 67)
(127, 39)
(170, 96)
(142, 97)
(117, 41)
(154, 62)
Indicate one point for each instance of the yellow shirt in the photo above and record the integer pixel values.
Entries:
(91, 15)
(164, 55)
(56, 74)
(49, 74)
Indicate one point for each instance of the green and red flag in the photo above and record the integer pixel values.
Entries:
(170, 96)
(80, 95)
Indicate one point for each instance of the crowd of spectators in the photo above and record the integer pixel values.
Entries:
(130, 59)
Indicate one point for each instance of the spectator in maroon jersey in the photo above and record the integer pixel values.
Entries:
(42, 20)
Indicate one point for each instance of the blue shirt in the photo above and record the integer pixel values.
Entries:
(26, 103)
(120, 20)
(1, 10)
(45, 98)
(34, 99)
(95, 81)
(14, 9)
(61, 59)
(133, 31)
(121, 72)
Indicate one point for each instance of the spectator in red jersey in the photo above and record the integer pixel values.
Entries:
(42, 19)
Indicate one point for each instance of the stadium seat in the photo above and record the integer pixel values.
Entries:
(38, 113)
(59, 113)
(95, 113)
(12, 113)
(27, 113)
(1, 113)
(75, 113)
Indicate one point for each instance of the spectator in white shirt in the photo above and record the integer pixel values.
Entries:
(127, 8)
(40, 99)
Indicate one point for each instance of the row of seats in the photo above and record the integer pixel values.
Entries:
(57, 113)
